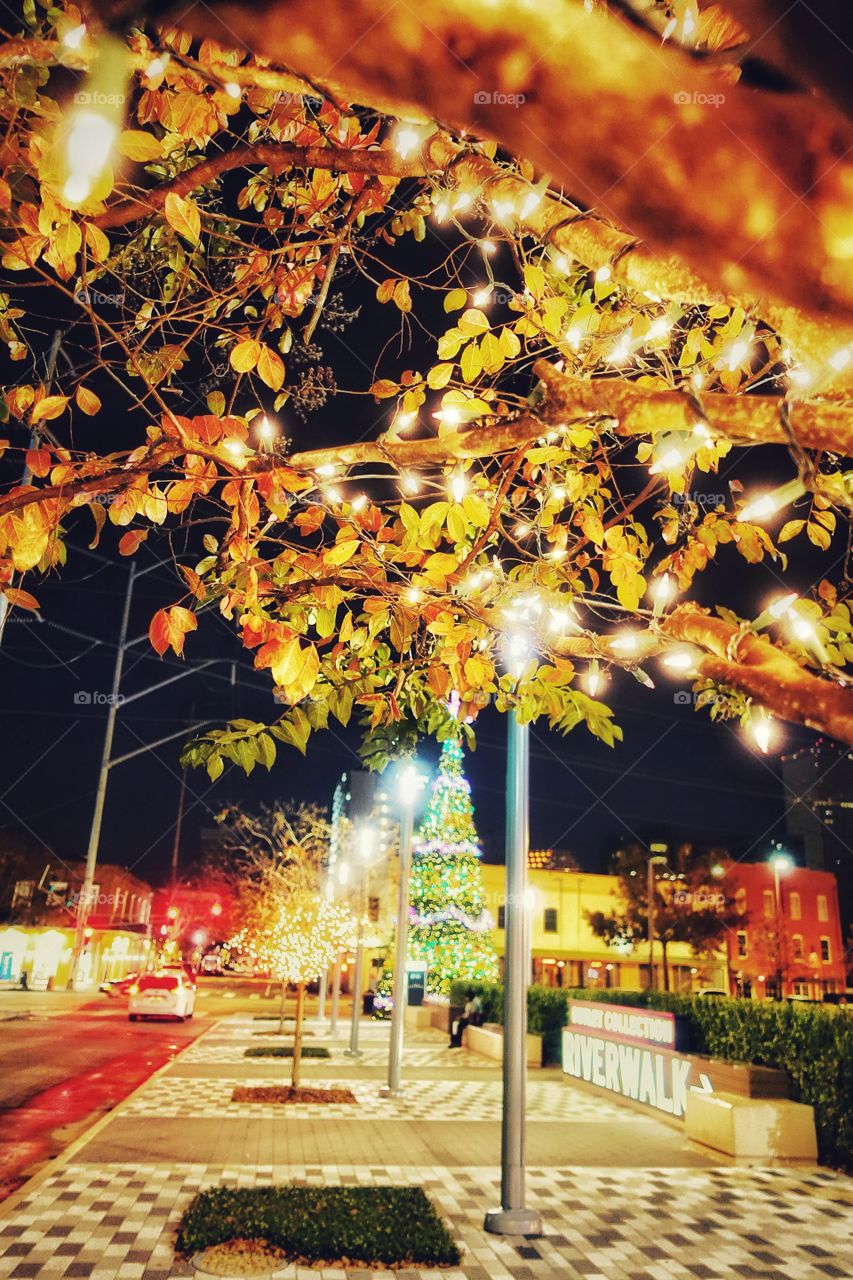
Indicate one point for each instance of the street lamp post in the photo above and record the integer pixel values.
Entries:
(654, 861)
(513, 1217)
(365, 851)
(779, 862)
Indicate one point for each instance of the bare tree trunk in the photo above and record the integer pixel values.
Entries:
(281, 1008)
(665, 965)
(297, 1035)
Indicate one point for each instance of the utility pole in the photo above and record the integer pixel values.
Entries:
(101, 792)
(176, 843)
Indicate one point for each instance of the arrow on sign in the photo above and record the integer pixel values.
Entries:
(704, 1085)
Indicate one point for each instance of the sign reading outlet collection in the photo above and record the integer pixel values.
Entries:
(632, 1052)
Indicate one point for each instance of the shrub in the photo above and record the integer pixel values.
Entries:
(367, 1226)
(286, 1051)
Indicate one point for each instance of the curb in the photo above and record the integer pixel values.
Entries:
(44, 1170)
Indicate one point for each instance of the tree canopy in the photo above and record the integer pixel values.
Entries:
(601, 412)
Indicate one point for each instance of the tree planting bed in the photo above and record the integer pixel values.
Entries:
(338, 1226)
(286, 1051)
(287, 1093)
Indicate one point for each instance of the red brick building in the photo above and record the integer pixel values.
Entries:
(791, 940)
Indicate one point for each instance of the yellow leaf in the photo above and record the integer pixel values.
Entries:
(245, 355)
(473, 322)
(341, 552)
(439, 376)
(270, 368)
(183, 216)
(141, 146)
(49, 407)
(96, 242)
(534, 278)
(455, 299)
(471, 362)
(402, 295)
(87, 401)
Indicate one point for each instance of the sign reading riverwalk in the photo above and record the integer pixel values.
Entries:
(632, 1052)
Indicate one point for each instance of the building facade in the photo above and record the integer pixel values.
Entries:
(566, 953)
(790, 942)
(819, 813)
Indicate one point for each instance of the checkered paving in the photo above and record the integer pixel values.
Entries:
(115, 1222)
(214, 1052)
(180, 1097)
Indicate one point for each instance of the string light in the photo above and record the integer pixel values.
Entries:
(326, 469)
(766, 505)
(762, 728)
(680, 660)
(603, 274)
(458, 486)
(625, 642)
(233, 90)
(359, 502)
(663, 590)
(75, 37)
(156, 67)
(89, 132)
(596, 679)
(488, 246)
(410, 482)
(482, 296)
(406, 140)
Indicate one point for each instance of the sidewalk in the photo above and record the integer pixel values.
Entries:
(622, 1195)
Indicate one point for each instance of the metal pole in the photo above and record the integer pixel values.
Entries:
(777, 882)
(513, 1218)
(353, 1051)
(393, 1088)
(176, 843)
(336, 996)
(321, 1001)
(651, 919)
(101, 793)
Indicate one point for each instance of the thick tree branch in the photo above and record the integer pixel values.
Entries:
(759, 669)
(278, 157)
(751, 188)
(641, 411)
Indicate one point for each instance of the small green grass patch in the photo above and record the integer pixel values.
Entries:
(286, 1051)
(340, 1226)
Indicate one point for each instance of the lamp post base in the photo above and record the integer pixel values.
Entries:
(352, 1053)
(385, 1091)
(513, 1222)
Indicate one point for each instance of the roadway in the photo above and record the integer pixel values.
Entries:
(67, 1058)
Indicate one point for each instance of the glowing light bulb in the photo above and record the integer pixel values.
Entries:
(561, 263)
(359, 502)
(89, 143)
(529, 204)
(596, 679)
(266, 429)
(327, 469)
(503, 210)
(801, 377)
(658, 328)
(237, 449)
(233, 90)
(410, 482)
(620, 353)
(663, 590)
(761, 508)
(488, 246)
(452, 417)
(762, 729)
(521, 530)
(840, 359)
(413, 596)
(75, 37)
(332, 495)
(406, 140)
(783, 605)
(603, 273)
(482, 296)
(463, 201)
(625, 642)
(562, 620)
(737, 354)
(458, 486)
(156, 67)
(573, 337)
(681, 660)
(76, 189)
(698, 380)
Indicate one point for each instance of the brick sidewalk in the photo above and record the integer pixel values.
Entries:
(622, 1195)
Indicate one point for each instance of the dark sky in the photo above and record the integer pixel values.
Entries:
(675, 775)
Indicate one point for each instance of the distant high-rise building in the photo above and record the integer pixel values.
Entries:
(819, 812)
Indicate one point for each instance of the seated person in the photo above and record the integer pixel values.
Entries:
(472, 1016)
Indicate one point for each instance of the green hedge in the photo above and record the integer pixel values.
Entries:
(366, 1226)
(812, 1044)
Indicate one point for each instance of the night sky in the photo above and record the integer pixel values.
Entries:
(676, 776)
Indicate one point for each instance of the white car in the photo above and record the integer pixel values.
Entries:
(161, 995)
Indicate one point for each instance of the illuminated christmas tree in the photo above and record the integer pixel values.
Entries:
(450, 926)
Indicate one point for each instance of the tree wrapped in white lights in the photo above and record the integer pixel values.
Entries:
(296, 939)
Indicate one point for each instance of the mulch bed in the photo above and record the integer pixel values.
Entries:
(240, 1258)
(286, 1093)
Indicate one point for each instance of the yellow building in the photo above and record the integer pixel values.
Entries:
(564, 950)
(44, 955)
